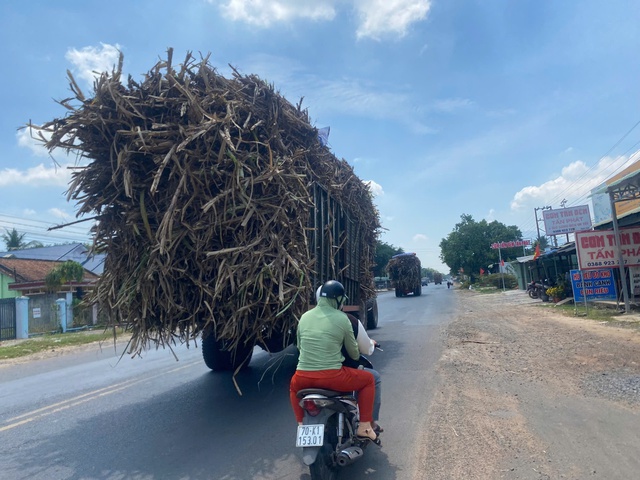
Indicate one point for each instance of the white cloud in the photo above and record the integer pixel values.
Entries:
(346, 96)
(574, 183)
(35, 177)
(58, 213)
(378, 18)
(34, 140)
(350, 96)
(376, 189)
(265, 13)
(90, 62)
(26, 139)
(381, 18)
(28, 212)
(491, 216)
(419, 237)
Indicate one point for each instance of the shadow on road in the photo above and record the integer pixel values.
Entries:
(201, 429)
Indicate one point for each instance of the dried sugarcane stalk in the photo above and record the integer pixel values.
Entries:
(202, 187)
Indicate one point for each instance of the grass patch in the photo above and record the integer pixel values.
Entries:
(22, 348)
(595, 312)
(488, 289)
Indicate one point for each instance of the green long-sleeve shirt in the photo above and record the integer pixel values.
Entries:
(321, 333)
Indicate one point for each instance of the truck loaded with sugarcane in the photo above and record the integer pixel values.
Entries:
(405, 273)
(219, 209)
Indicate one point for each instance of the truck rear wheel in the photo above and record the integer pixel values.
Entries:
(372, 314)
(218, 359)
(398, 292)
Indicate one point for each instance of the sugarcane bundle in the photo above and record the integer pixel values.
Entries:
(200, 185)
(404, 271)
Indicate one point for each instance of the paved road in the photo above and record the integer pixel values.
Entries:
(92, 415)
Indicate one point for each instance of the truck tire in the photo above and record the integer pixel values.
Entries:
(372, 314)
(398, 292)
(418, 291)
(220, 360)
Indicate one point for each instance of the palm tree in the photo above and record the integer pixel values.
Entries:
(15, 240)
(544, 243)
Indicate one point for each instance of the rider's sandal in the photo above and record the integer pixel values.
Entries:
(378, 429)
(367, 435)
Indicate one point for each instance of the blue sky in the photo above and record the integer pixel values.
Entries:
(486, 108)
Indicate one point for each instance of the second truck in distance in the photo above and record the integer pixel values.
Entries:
(405, 274)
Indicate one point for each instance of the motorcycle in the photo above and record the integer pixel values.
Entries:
(533, 290)
(538, 290)
(327, 435)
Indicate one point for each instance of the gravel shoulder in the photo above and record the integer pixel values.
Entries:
(525, 392)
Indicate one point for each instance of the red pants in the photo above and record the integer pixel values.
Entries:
(343, 380)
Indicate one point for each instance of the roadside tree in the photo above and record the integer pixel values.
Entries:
(14, 240)
(384, 252)
(468, 246)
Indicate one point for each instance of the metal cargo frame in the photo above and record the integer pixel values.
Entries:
(336, 245)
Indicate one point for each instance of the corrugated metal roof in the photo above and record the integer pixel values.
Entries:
(562, 249)
(55, 252)
(632, 179)
(73, 251)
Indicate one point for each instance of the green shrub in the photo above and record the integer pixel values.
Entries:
(495, 280)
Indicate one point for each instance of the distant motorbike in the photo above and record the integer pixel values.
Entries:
(538, 289)
(327, 435)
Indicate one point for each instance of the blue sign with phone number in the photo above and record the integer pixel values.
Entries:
(598, 284)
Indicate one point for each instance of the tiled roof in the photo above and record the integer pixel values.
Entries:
(25, 271)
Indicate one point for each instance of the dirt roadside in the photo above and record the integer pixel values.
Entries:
(527, 393)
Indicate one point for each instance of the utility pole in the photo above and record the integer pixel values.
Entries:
(539, 219)
(562, 204)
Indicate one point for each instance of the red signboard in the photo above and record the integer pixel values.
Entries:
(597, 249)
(511, 244)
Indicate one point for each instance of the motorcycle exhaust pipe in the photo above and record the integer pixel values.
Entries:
(349, 455)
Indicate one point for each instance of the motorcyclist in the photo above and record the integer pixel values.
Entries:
(366, 345)
(321, 333)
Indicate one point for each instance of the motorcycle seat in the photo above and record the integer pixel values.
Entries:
(322, 391)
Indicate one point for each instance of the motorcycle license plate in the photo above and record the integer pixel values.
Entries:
(310, 436)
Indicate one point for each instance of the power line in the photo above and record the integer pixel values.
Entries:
(604, 156)
(41, 234)
(573, 187)
(34, 221)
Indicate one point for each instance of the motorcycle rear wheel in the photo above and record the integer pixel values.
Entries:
(533, 293)
(325, 466)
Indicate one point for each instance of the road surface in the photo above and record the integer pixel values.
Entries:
(94, 415)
